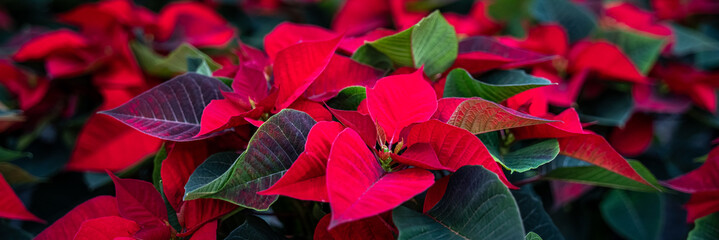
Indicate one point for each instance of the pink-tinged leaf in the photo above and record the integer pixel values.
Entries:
(314, 109)
(477, 116)
(206, 232)
(420, 155)
(105, 143)
(66, 227)
(361, 123)
(305, 179)
(702, 179)
(605, 59)
(702, 204)
(645, 99)
(10, 205)
(106, 228)
(455, 147)
(358, 186)
(480, 54)
(371, 228)
(194, 23)
(635, 137)
(139, 201)
(400, 100)
(340, 73)
(172, 110)
(293, 77)
(566, 192)
(47, 44)
(435, 193)
(360, 16)
(288, 34)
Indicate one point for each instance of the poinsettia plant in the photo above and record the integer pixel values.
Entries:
(405, 119)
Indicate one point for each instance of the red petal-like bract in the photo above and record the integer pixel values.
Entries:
(371, 228)
(356, 17)
(637, 18)
(604, 59)
(420, 155)
(361, 123)
(106, 228)
(181, 162)
(105, 143)
(66, 227)
(306, 178)
(702, 179)
(193, 23)
(399, 100)
(49, 43)
(288, 34)
(580, 144)
(435, 193)
(340, 73)
(206, 232)
(139, 201)
(293, 77)
(635, 137)
(455, 147)
(11, 206)
(566, 192)
(547, 39)
(358, 186)
(702, 204)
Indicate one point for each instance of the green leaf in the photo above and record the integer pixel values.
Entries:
(160, 156)
(577, 20)
(706, 228)
(198, 65)
(171, 65)
(633, 215)
(434, 44)
(431, 43)
(477, 116)
(15, 175)
(253, 228)
(689, 41)
(7, 155)
(476, 205)
(532, 156)
(532, 236)
(534, 217)
(642, 49)
(495, 86)
(529, 157)
(270, 152)
(349, 98)
(594, 175)
(397, 47)
(370, 56)
(509, 10)
(612, 108)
